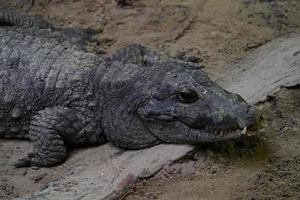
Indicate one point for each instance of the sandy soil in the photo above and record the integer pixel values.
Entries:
(216, 33)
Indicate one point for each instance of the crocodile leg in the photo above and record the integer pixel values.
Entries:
(52, 129)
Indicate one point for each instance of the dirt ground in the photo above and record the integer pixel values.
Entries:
(216, 33)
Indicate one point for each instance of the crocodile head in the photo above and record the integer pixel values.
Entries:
(187, 107)
(171, 101)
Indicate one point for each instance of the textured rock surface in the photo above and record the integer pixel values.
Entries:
(105, 175)
(264, 71)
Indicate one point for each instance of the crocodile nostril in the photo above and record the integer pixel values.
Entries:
(239, 98)
(252, 111)
(249, 108)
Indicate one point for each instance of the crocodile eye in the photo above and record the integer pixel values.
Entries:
(188, 96)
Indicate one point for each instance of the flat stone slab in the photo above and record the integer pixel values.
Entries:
(104, 172)
(265, 70)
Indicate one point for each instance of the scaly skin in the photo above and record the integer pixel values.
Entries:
(56, 95)
(12, 18)
(75, 36)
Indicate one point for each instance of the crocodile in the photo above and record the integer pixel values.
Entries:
(58, 96)
(82, 38)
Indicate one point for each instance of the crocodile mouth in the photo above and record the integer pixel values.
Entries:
(220, 135)
(228, 131)
(225, 134)
(211, 130)
(192, 135)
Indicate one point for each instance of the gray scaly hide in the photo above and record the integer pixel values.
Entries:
(57, 95)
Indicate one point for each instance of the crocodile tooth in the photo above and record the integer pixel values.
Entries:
(244, 131)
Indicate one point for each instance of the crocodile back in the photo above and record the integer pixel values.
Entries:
(39, 70)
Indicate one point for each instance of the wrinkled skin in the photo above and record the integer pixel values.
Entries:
(172, 101)
(57, 95)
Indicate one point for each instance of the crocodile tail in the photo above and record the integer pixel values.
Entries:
(12, 18)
